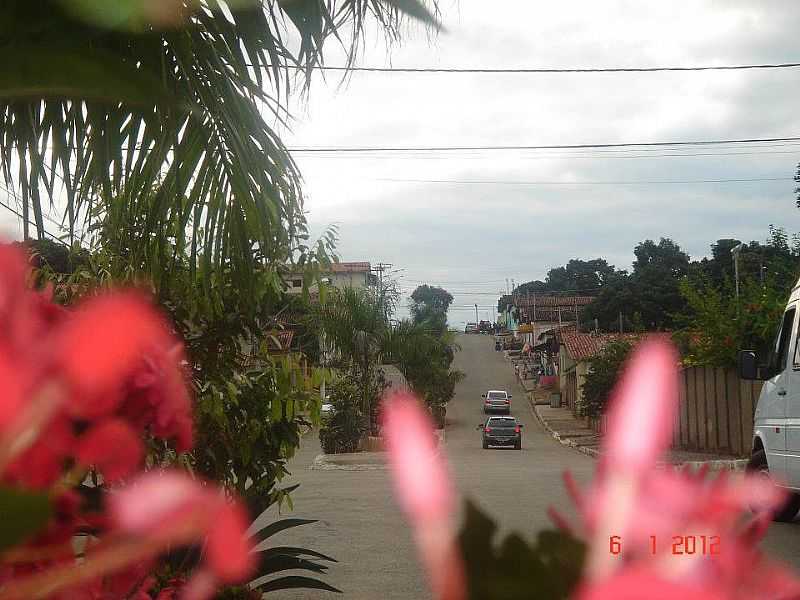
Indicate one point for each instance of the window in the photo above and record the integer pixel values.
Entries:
(497, 396)
(782, 350)
(297, 283)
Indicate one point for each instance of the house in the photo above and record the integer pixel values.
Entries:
(546, 312)
(575, 353)
(339, 275)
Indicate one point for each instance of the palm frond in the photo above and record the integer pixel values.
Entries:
(172, 122)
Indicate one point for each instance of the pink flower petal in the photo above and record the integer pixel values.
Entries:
(228, 549)
(112, 447)
(422, 482)
(642, 412)
(102, 343)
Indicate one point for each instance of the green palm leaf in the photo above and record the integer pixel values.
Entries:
(172, 124)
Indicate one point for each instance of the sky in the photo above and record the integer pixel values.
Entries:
(470, 237)
(404, 209)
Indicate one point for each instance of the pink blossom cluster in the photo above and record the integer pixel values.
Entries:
(630, 499)
(81, 388)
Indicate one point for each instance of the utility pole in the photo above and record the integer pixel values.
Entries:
(736, 251)
(476, 315)
(534, 307)
(380, 268)
(507, 292)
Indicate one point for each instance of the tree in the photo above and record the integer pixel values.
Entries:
(166, 113)
(649, 297)
(430, 307)
(355, 336)
(432, 297)
(580, 276)
(666, 257)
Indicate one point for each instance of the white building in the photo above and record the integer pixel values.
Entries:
(340, 275)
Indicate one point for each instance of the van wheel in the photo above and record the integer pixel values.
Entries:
(758, 465)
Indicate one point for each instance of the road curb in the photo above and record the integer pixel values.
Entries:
(326, 462)
(322, 463)
(735, 465)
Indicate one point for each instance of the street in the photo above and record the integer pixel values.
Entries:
(362, 528)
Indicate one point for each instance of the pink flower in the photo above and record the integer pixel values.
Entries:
(173, 508)
(101, 345)
(425, 492)
(631, 500)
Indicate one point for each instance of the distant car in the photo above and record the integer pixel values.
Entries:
(496, 400)
(471, 328)
(501, 431)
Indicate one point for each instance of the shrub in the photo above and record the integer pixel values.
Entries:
(602, 376)
(344, 429)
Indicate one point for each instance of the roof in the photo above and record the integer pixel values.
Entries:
(584, 346)
(279, 340)
(350, 267)
(550, 301)
(554, 330)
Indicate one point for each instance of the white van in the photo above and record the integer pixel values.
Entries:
(776, 432)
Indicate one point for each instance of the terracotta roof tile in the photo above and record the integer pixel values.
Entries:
(583, 346)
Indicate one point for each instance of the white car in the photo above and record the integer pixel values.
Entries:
(496, 401)
(776, 433)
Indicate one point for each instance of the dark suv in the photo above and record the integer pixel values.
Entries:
(501, 431)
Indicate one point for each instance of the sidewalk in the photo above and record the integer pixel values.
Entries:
(573, 432)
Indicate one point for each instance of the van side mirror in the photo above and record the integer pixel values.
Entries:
(510, 396)
(483, 395)
(748, 365)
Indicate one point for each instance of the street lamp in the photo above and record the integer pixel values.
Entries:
(736, 251)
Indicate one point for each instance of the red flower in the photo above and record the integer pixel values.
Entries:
(112, 447)
(101, 345)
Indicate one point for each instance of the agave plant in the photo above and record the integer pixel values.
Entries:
(163, 106)
(278, 559)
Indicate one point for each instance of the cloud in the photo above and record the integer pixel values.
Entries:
(484, 233)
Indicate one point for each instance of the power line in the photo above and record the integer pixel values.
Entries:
(543, 147)
(633, 182)
(553, 70)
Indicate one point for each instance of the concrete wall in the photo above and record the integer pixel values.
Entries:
(716, 411)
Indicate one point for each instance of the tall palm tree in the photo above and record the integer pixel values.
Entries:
(355, 332)
(163, 106)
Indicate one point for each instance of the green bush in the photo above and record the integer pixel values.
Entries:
(345, 428)
(602, 377)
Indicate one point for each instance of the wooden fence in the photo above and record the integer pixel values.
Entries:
(716, 411)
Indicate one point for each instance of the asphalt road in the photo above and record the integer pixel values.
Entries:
(360, 525)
